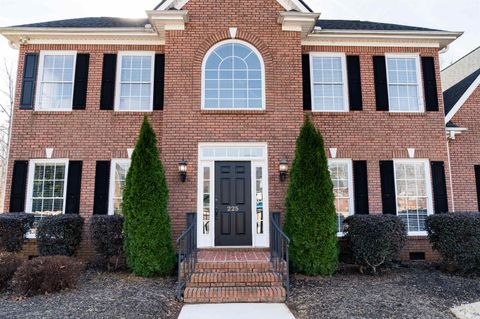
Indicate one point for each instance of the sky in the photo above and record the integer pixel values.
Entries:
(451, 15)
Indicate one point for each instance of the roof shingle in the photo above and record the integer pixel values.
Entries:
(453, 94)
(366, 25)
(91, 22)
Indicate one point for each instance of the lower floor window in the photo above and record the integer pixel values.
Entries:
(341, 175)
(118, 178)
(47, 188)
(412, 193)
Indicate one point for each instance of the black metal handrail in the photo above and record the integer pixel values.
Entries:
(279, 243)
(187, 254)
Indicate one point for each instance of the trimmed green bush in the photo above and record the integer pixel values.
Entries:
(9, 263)
(13, 227)
(456, 236)
(59, 235)
(311, 220)
(375, 240)
(48, 274)
(106, 233)
(148, 236)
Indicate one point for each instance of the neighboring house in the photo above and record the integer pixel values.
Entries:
(462, 118)
(226, 85)
(460, 69)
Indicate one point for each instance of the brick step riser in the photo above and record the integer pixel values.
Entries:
(267, 279)
(234, 284)
(233, 267)
(238, 294)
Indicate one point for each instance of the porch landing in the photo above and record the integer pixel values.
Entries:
(233, 255)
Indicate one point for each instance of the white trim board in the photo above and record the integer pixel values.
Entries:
(462, 100)
(288, 5)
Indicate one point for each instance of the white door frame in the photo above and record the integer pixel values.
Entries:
(208, 154)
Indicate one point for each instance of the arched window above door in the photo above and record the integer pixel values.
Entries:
(233, 77)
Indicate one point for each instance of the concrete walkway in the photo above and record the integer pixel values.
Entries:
(236, 311)
(470, 311)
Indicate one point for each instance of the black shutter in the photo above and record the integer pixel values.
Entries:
(430, 84)
(477, 179)
(439, 185)
(381, 88)
(360, 181)
(159, 80)
(107, 97)
(387, 178)
(30, 67)
(74, 184)
(19, 186)
(307, 94)
(81, 82)
(102, 185)
(354, 83)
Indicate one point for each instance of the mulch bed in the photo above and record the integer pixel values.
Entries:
(412, 291)
(100, 295)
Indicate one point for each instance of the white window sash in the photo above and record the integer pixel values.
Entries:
(119, 82)
(204, 70)
(428, 186)
(40, 82)
(111, 190)
(344, 82)
(351, 204)
(418, 85)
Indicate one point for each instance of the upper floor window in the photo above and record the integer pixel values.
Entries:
(135, 81)
(329, 88)
(233, 77)
(404, 83)
(55, 81)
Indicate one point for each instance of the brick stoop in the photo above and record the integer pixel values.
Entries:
(223, 276)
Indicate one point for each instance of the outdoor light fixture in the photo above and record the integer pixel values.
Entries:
(283, 169)
(182, 170)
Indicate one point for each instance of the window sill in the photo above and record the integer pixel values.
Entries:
(328, 113)
(407, 113)
(203, 111)
(52, 112)
(130, 113)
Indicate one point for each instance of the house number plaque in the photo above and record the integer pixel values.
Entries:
(232, 209)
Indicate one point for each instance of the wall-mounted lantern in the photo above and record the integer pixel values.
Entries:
(283, 169)
(182, 170)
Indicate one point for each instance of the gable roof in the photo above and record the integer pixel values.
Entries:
(90, 22)
(457, 95)
(113, 22)
(297, 5)
(366, 25)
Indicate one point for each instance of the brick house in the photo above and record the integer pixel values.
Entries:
(226, 85)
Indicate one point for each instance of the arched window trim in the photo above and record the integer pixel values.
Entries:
(262, 65)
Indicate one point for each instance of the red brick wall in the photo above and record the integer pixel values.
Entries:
(92, 134)
(465, 154)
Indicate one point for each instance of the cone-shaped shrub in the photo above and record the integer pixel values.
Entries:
(147, 230)
(310, 219)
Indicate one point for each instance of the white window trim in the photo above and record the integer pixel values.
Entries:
(421, 100)
(428, 181)
(40, 76)
(343, 57)
(351, 194)
(31, 173)
(208, 240)
(118, 78)
(111, 187)
(262, 65)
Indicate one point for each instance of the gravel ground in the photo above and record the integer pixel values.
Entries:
(100, 295)
(414, 291)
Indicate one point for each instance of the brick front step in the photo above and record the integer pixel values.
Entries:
(233, 267)
(266, 279)
(234, 294)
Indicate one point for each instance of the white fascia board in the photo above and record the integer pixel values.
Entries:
(462, 100)
(81, 36)
(298, 22)
(438, 39)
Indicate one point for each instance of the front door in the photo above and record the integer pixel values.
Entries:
(233, 204)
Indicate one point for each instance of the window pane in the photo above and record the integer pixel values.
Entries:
(233, 70)
(136, 83)
(206, 200)
(328, 86)
(121, 171)
(411, 195)
(402, 84)
(339, 173)
(48, 188)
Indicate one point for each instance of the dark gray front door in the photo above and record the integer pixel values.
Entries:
(233, 204)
